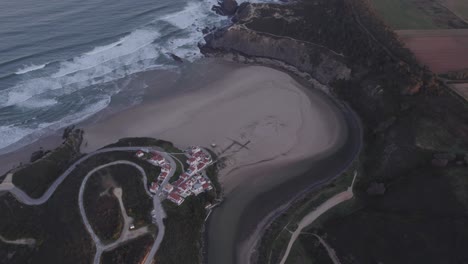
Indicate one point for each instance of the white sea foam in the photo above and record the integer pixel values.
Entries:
(132, 55)
(30, 68)
(135, 52)
(37, 103)
(192, 19)
(11, 134)
(106, 47)
(136, 43)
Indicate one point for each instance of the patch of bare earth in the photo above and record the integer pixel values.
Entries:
(441, 50)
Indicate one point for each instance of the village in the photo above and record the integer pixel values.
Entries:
(193, 181)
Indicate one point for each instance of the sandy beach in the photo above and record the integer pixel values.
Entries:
(262, 106)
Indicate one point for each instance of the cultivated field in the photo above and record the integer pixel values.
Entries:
(440, 50)
(403, 14)
(420, 14)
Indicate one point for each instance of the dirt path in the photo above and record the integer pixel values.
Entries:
(312, 216)
(20, 241)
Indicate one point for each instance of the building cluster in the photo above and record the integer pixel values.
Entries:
(157, 160)
(192, 181)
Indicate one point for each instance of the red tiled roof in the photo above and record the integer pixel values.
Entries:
(201, 165)
(175, 196)
(178, 182)
(157, 157)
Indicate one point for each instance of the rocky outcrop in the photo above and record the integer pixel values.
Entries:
(319, 62)
(226, 7)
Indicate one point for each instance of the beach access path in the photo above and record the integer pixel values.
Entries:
(126, 235)
(312, 216)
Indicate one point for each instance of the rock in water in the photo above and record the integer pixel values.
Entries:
(176, 58)
(225, 7)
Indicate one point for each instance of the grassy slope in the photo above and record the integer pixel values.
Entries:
(35, 178)
(103, 211)
(403, 14)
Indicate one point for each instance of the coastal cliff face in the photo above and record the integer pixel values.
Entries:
(319, 62)
(409, 117)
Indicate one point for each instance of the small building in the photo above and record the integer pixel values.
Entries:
(178, 182)
(168, 188)
(140, 154)
(201, 166)
(207, 186)
(175, 198)
(132, 226)
(197, 188)
(154, 187)
(158, 159)
(162, 176)
(184, 176)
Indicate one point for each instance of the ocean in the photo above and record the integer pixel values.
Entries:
(61, 59)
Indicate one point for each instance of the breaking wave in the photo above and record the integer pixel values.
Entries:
(30, 68)
(148, 47)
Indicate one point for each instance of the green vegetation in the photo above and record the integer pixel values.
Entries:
(135, 199)
(308, 250)
(278, 234)
(132, 252)
(184, 225)
(35, 178)
(22, 254)
(404, 14)
(60, 215)
(183, 237)
(102, 207)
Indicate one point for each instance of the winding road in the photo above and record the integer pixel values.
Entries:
(126, 235)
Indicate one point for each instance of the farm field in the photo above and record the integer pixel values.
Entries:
(417, 14)
(402, 14)
(440, 50)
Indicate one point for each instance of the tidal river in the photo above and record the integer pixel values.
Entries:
(245, 209)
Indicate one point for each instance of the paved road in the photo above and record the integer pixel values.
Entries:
(26, 199)
(312, 216)
(100, 247)
(22, 197)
